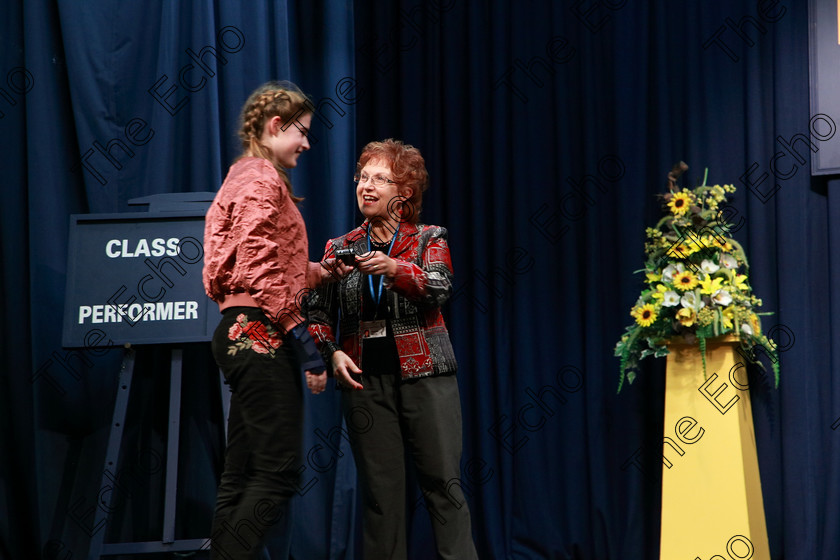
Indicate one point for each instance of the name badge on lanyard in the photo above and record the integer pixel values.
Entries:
(377, 295)
(373, 329)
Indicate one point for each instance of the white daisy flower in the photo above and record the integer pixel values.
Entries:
(670, 298)
(669, 271)
(729, 262)
(691, 301)
(708, 266)
(722, 297)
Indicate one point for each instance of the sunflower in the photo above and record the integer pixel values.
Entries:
(679, 251)
(684, 281)
(645, 315)
(725, 246)
(679, 203)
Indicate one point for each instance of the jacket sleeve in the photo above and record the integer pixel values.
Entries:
(431, 284)
(215, 236)
(267, 257)
(322, 313)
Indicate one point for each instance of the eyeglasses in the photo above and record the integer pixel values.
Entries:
(376, 180)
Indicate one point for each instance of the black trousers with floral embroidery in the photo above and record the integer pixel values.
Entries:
(264, 433)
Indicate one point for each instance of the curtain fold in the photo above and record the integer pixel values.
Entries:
(126, 101)
(549, 129)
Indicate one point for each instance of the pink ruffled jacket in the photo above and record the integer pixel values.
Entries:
(255, 244)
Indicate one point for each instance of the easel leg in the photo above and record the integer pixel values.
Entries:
(98, 547)
(224, 391)
(112, 454)
(172, 443)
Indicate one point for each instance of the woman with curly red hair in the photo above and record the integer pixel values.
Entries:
(394, 360)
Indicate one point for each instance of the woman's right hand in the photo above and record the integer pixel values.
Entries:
(342, 367)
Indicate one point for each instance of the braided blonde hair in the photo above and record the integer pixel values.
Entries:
(281, 99)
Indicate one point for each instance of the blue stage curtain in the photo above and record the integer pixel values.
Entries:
(159, 86)
(548, 128)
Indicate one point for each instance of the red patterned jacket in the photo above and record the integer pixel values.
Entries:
(422, 283)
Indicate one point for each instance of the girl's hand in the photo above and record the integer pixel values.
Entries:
(333, 270)
(316, 383)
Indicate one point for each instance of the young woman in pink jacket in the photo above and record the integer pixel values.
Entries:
(256, 263)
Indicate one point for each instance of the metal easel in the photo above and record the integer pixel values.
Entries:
(167, 543)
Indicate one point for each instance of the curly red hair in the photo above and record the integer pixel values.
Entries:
(408, 168)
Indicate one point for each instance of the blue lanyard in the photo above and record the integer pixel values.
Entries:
(378, 295)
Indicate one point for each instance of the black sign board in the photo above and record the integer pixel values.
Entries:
(136, 278)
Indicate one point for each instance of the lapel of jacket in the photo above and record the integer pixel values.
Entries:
(357, 239)
(406, 238)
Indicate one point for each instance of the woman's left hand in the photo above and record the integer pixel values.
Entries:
(316, 383)
(377, 263)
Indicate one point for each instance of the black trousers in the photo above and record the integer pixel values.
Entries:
(264, 434)
(423, 416)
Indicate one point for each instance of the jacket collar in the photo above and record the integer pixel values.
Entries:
(405, 235)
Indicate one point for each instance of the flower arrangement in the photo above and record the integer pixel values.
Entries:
(697, 285)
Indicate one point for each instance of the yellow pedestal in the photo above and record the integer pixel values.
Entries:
(711, 490)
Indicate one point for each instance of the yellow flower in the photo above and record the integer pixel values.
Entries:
(684, 281)
(645, 315)
(660, 291)
(756, 324)
(740, 282)
(683, 250)
(653, 277)
(679, 203)
(686, 316)
(727, 316)
(709, 286)
(705, 317)
(726, 246)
